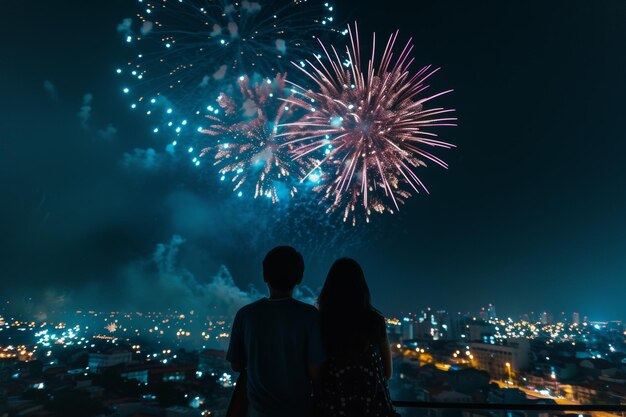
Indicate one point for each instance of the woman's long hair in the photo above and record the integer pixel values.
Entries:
(345, 309)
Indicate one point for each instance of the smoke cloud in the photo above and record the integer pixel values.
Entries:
(143, 159)
(146, 27)
(50, 89)
(125, 27)
(161, 283)
(251, 6)
(84, 114)
(107, 133)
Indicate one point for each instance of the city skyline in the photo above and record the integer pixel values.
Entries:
(436, 357)
(485, 313)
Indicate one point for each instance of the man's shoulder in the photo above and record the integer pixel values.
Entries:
(303, 311)
(306, 308)
(294, 306)
(249, 308)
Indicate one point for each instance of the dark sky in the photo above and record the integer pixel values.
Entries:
(530, 215)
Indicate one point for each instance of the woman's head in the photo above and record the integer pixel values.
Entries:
(345, 296)
(345, 288)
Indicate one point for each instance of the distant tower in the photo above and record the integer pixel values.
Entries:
(441, 325)
(483, 314)
(491, 311)
(547, 318)
(576, 318)
(407, 328)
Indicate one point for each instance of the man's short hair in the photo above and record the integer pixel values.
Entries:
(283, 268)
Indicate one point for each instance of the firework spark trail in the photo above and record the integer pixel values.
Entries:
(370, 125)
(246, 147)
(184, 51)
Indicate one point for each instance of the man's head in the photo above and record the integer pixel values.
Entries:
(283, 267)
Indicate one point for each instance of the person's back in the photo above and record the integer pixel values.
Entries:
(276, 338)
(354, 382)
(276, 341)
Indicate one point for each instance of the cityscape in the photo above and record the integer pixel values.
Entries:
(173, 363)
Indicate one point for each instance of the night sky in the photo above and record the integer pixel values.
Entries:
(530, 216)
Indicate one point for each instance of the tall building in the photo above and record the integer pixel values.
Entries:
(615, 332)
(491, 311)
(407, 328)
(576, 318)
(547, 318)
(456, 325)
(440, 325)
(422, 329)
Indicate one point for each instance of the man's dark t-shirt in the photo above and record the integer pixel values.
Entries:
(276, 340)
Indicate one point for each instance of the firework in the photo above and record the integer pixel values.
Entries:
(371, 124)
(183, 51)
(246, 148)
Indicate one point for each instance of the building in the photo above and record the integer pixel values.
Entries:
(547, 318)
(422, 329)
(502, 362)
(469, 381)
(212, 361)
(481, 332)
(174, 373)
(584, 393)
(182, 412)
(456, 326)
(149, 374)
(515, 396)
(407, 328)
(437, 326)
(599, 367)
(99, 361)
(576, 319)
(139, 374)
(449, 396)
(3, 402)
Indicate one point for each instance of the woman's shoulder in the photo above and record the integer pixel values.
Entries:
(376, 316)
(377, 322)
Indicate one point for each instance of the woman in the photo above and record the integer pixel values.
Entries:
(354, 381)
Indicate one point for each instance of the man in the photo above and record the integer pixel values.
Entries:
(276, 342)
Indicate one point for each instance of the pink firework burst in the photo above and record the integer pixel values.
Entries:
(246, 148)
(371, 125)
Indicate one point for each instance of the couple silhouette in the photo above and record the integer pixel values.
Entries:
(296, 360)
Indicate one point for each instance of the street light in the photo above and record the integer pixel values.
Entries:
(556, 383)
(508, 368)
